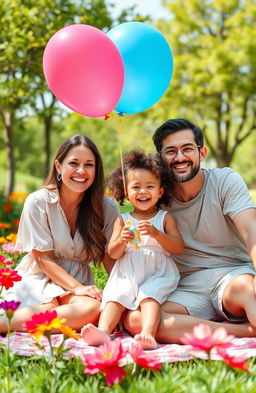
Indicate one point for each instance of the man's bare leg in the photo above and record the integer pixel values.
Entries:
(239, 298)
(175, 321)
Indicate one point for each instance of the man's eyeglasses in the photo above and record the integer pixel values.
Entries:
(186, 150)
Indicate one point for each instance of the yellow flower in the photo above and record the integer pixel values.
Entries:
(67, 331)
(12, 237)
(3, 240)
(19, 196)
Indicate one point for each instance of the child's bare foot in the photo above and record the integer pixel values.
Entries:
(146, 341)
(93, 336)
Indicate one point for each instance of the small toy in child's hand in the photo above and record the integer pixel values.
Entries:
(137, 239)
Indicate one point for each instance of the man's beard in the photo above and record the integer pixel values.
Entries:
(181, 178)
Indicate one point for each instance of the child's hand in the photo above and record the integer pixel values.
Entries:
(146, 228)
(126, 236)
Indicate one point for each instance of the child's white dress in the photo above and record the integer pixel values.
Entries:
(148, 272)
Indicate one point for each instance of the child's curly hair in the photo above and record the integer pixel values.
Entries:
(137, 159)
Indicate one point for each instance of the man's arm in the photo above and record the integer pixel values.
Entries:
(245, 222)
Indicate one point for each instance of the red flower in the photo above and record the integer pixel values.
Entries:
(5, 262)
(114, 374)
(144, 359)
(2, 258)
(204, 338)
(42, 323)
(8, 276)
(7, 208)
(239, 362)
(16, 223)
(106, 359)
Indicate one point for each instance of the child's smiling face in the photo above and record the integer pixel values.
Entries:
(143, 189)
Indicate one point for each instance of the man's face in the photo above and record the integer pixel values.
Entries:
(183, 155)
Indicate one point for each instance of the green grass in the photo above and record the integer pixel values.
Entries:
(196, 376)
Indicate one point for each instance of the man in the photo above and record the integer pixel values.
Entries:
(217, 219)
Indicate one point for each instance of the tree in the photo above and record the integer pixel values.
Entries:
(214, 82)
(24, 32)
(26, 27)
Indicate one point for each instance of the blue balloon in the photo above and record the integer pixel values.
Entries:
(148, 65)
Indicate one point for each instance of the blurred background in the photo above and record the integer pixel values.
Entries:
(213, 43)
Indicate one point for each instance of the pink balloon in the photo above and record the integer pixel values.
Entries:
(84, 70)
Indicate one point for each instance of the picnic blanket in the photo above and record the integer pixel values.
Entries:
(24, 345)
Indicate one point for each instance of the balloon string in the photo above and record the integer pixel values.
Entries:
(122, 168)
(119, 129)
(118, 118)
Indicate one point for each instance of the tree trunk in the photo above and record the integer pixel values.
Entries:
(8, 139)
(47, 143)
(223, 159)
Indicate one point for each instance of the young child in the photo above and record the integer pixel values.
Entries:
(144, 274)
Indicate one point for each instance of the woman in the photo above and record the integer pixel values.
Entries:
(64, 225)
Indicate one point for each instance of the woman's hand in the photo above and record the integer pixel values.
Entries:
(146, 228)
(89, 290)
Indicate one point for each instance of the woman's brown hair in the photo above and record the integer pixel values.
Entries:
(90, 218)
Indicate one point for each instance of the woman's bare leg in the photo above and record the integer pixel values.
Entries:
(77, 310)
(24, 314)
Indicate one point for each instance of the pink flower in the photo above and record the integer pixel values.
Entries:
(239, 362)
(9, 248)
(204, 338)
(143, 359)
(106, 359)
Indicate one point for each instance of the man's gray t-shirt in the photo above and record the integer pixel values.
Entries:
(210, 236)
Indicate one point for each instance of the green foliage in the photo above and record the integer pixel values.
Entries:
(100, 275)
(24, 181)
(214, 49)
(10, 211)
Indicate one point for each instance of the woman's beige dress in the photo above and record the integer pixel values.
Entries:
(44, 227)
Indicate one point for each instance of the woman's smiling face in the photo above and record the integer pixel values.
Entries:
(77, 169)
